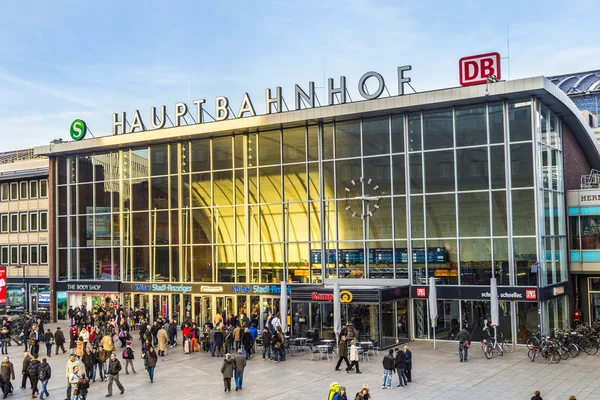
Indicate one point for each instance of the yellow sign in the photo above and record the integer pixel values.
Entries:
(345, 296)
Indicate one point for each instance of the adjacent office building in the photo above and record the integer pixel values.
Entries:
(462, 184)
(24, 230)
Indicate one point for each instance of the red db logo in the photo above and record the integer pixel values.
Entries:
(530, 294)
(476, 69)
(421, 292)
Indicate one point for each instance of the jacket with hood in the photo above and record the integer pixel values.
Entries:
(389, 362)
(227, 367)
(45, 371)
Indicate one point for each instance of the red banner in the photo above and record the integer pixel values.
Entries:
(3, 289)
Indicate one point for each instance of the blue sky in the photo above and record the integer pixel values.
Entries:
(70, 59)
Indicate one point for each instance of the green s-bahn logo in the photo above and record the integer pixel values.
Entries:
(78, 129)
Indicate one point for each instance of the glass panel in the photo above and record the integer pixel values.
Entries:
(294, 182)
(200, 190)
(474, 214)
(523, 210)
(313, 143)
(378, 224)
(472, 168)
(223, 188)
(441, 216)
(200, 155)
(439, 171)
(400, 217)
(496, 122)
(351, 260)
(499, 214)
(173, 159)
(401, 258)
(297, 223)
(498, 167)
(527, 320)
(377, 176)
(417, 217)
(521, 164)
(442, 261)
(525, 256)
(159, 158)
(381, 265)
(519, 121)
(416, 173)
(397, 133)
(399, 176)
(314, 184)
(350, 224)
(294, 145)
(201, 263)
(327, 141)
(349, 173)
(501, 263)
(471, 128)
(418, 259)
(448, 320)
(270, 184)
(221, 153)
(475, 261)
(328, 180)
(347, 139)
(414, 131)
(238, 144)
(376, 136)
(437, 129)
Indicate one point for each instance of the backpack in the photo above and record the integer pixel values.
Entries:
(334, 389)
(83, 384)
(270, 325)
(33, 369)
(124, 355)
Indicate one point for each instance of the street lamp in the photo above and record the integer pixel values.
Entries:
(24, 288)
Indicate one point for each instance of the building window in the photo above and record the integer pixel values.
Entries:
(44, 254)
(33, 189)
(4, 190)
(14, 222)
(14, 191)
(14, 255)
(43, 220)
(43, 188)
(4, 255)
(24, 191)
(24, 254)
(24, 223)
(4, 223)
(33, 222)
(33, 254)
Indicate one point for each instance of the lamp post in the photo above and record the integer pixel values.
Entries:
(24, 288)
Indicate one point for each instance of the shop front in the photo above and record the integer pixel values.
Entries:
(92, 294)
(33, 296)
(379, 314)
(201, 302)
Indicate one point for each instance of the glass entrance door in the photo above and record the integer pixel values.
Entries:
(224, 306)
(202, 310)
(160, 306)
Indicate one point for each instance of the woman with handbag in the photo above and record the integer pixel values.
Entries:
(4, 339)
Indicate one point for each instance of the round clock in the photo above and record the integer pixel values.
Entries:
(353, 193)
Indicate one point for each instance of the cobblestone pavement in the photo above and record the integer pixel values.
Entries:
(437, 374)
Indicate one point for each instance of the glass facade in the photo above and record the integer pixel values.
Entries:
(462, 194)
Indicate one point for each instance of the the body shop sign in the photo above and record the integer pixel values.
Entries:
(3, 290)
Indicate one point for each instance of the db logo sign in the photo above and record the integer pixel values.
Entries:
(530, 294)
(421, 293)
(476, 69)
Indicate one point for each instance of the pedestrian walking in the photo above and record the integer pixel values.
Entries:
(74, 380)
(247, 343)
(34, 341)
(239, 363)
(364, 393)
(237, 337)
(33, 370)
(408, 363)
(163, 340)
(536, 395)
(266, 343)
(401, 367)
(71, 364)
(227, 371)
(49, 340)
(353, 358)
(464, 343)
(102, 357)
(80, 347)
(151, 358)
(7, 372)
(88, 361)
(59, 340)
(44, 377)
(342, 353)
(73, 335)
(129, 357)
(26, 361)
(389, 364)
(114, 366)
(4, 340)
(82, 387)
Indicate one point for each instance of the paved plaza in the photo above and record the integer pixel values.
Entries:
(437, 374)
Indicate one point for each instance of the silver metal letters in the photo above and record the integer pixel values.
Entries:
(273, 103)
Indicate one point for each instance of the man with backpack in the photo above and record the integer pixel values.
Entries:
(44, 377)
(82, 387)
(34, 375)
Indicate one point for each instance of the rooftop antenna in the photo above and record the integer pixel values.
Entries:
(507, 58)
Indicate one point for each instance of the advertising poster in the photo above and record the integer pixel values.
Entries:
(61, 305)
(15, 298)
(106, 226)
(2, 290)
(110, 271)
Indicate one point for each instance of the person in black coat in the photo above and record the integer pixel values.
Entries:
(247, 342)
(59, 340)
(401, 367)
(219, 337)
(408, 363)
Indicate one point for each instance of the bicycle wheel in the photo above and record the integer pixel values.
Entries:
(488, 352)
(564, 352)
(585, 345)
(554, 357)
(508, 345)
(531, 354)
(531, 342)
(573, 350)
(593, 349)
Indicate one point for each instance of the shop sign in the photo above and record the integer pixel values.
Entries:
(3, 289)
(78, 129)
(336, 94)
(256, 289)
(531, 294)
(43, 298)
(83, 287)
(421, 292)
(321, 296)
(558, 290)
(211, 289)
(138, 287)
(345, 296)
(590, 196)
